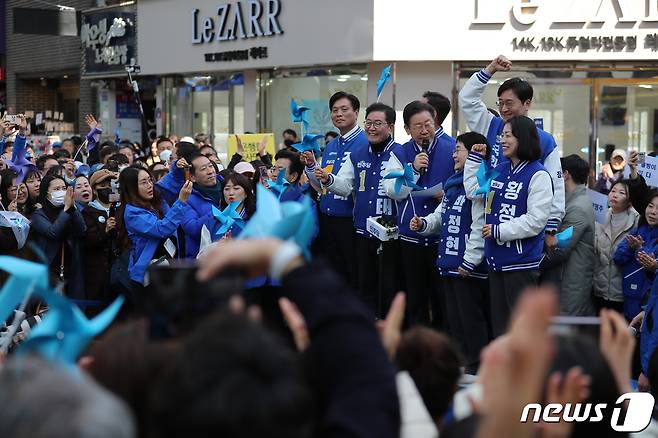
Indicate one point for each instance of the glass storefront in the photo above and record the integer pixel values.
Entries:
(205, 104)
(311, 88)
(586, 107)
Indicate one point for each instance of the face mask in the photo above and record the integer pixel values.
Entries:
(164, 155)
(57, 198)
(104, 195)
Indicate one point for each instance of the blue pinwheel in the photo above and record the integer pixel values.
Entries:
(298, 114)
(403, 177)
(384, 78)
(64, 332)
(228, 217)
(284, 220)
(309, 143)
(19, 163)
(485, 174)
(281, 184)
(564, 237)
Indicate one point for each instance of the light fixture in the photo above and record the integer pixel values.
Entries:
(344, 76)
(647, 86)
(341, 80)
(364, 78)
(66, 76)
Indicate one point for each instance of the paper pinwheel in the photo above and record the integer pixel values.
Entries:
(564, 237)
(485, 175)
(281, 183)
(383, 80)
(228, 217)
(92, 137)
(19, 225)
(298, 113)
(64, 332)
(284, 220)
(117, 137)
(309, 143)
(403, 177)
(18, 162)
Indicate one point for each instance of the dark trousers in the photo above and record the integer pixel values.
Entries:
(423, 285)
(377, 275)
(504, 289)
(338, 247)
(467, 301)
(602, 303)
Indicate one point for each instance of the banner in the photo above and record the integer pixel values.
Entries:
(600, 204)
(648, 170)
(250, 142)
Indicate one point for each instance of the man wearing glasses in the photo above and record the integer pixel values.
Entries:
(361, 175)
(431, 158)
(514, 99)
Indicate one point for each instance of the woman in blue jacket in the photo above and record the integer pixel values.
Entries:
(237, 188)
(147, 222)
(636, 255)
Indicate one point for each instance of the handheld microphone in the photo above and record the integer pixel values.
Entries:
(425, 145)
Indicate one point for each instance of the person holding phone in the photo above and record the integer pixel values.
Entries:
(100, 238)
(147, 224)
(58, 228)
(206, 193)
(517, 209)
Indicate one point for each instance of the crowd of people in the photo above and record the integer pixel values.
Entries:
(493, 235)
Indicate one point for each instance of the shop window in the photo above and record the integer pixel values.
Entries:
(310, 88)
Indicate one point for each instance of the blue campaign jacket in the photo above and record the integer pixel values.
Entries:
(145, 232)
(336, 152)
(507, 200)
(636, 282)
(455, 230)
(370, 195)
(440, 169)
(197, 214)
(649, 330)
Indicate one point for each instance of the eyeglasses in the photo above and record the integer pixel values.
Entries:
(506, 103)
(420, 126)
(374, 124)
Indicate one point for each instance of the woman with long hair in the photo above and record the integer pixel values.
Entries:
(147, 222)
(237, 188)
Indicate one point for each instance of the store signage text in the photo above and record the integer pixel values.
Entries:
(237, 55)
(108, 40)
(238, 20)
(573, 14)
(583, 43)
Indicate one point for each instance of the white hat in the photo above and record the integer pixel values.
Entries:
(618, 153)
(243, 167)
(187, 139)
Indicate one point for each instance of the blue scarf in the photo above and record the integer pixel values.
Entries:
(453, 185)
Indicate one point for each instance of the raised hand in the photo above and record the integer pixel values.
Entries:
(261, 147)
(68, 199)
(239, 145)
(422, 161)
(479, 149)
(415, 224)
(500, 63)
(185, 192)
(321, 175)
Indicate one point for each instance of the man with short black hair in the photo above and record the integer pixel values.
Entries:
(289, 138)
(362, 175)
(441, 105)
(514, 99)
(127, 149)
(431, 159)
(336, 226)
(572, 268)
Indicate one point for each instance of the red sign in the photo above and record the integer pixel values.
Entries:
(2, 74)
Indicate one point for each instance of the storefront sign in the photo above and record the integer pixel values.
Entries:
(108, 39)
(260, 18)
(237, 55)
(546, 30)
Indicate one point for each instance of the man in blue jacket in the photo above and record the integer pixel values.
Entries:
(206, 192)
(336, 229)
(431, 157)
(362, 176)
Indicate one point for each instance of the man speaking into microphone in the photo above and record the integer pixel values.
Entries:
(431, 158)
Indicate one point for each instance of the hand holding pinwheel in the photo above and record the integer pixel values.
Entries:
(404, 177)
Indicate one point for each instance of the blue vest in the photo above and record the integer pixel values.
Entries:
(494, 138)
(335, 154)
(456, 223)
(370, 197)
(508, 199)
(440, 169)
